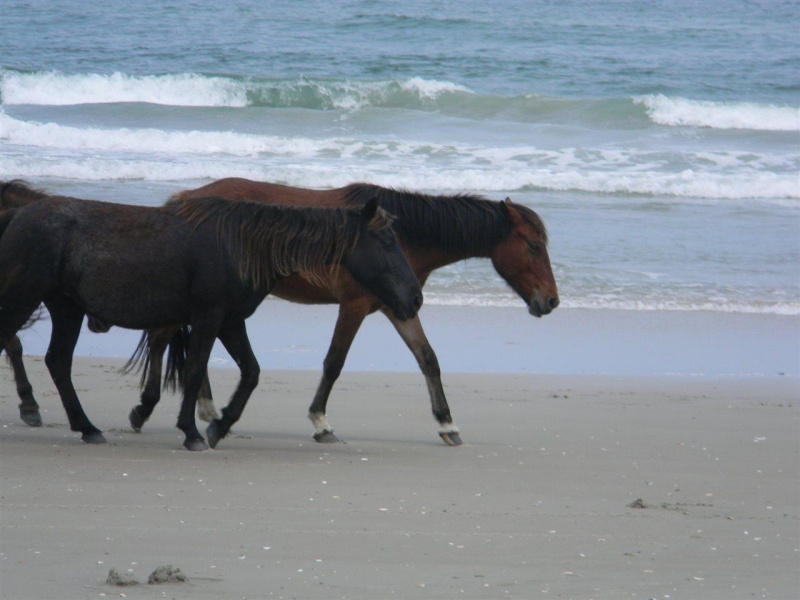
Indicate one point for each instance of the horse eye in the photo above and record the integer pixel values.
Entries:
(534, 247)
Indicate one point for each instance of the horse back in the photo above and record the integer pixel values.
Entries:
(71, 233)
(132, 266)
(246, 190)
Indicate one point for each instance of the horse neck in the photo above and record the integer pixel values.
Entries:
(275, 241)
(424, 260)
(441, 230)
(307, 238)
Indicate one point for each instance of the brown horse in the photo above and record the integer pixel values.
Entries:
(434, 231)
(207, 264)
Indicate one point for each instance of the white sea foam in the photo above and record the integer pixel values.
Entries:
(418, 165)
(720, 115)
(189, 89)
(319, 175)
(51, 135)
(431, 88)
(612, 303)
(687, 184)
(54, 88)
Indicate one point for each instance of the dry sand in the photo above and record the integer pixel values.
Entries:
(567, 487)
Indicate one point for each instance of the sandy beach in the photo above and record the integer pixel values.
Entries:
(642, 442)
(567, 487)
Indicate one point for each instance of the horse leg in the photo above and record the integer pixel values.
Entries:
(28, 408)
(67, 319)
(176, 340)
(201, 343)
(206, 410)
(413, 335)
(347, 326)
(236, 342)
(11, 321)
(157, 342)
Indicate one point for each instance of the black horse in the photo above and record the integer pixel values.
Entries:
(15, 194)
(207, 264)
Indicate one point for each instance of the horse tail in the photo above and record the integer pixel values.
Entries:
(176, 359)
(140, 360)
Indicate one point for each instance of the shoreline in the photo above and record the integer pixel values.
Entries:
(508, 340)
(567, 486)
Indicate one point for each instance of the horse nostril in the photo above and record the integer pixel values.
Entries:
(553, 302)
(417, 301)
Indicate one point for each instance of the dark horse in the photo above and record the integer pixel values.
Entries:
(434, 231)
(207, 264)
(14, 194)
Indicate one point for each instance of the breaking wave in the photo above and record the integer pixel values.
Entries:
(191, 89)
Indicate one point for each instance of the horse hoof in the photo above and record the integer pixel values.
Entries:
(213, 434)
(136, 420)
(451, 438)
(31, 418)
(94, 438)
(326, 437)
(195, 445)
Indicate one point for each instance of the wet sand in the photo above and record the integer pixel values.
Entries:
(567, 487)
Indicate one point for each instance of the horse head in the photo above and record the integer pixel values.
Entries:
(377, 262)
(523, 261)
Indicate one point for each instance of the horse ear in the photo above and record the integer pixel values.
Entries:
(513, 216)
(370, 209)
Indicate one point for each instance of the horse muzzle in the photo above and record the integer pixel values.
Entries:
(540, 305)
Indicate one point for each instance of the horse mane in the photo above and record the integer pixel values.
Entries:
(272, 241)
(453, 222)
(23, 192)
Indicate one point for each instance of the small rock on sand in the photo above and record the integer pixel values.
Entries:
(166, 574)
(115, 578)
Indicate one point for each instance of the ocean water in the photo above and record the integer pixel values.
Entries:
(660, 141)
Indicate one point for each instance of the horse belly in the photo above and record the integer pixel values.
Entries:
(133, 295)
(143, 309)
